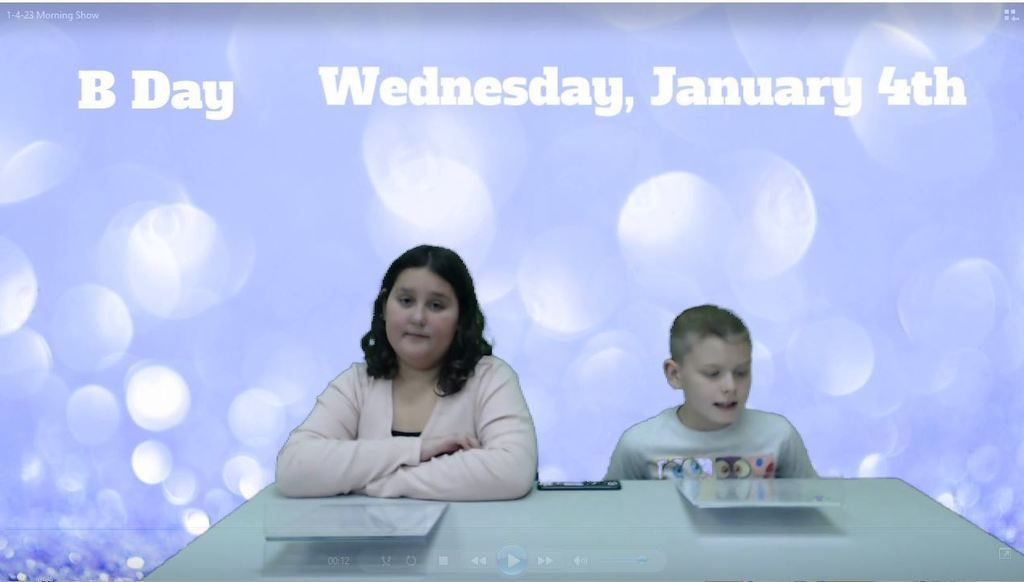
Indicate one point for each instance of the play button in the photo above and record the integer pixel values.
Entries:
(512, 560)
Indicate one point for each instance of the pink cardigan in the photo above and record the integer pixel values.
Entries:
(345, 444)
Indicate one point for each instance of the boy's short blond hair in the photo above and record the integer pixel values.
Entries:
(697, 323)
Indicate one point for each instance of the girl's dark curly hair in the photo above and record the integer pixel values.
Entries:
(468, 345)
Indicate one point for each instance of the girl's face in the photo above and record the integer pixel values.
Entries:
(420, 318)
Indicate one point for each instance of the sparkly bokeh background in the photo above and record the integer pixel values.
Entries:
(175, 292)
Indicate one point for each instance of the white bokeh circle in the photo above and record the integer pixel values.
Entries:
(438, 201)
(602, 376)
(35, 169)
(157, 397)
(892, 379)
(962, 381)
(93, 414)
(779, 215)
(196, 521)
(395, 138)
(950, 30)
(180, 486)
(955, 305)
(930, 143)
(91, 327)
(433, 193)
(873, 466)
(948, 500)
(428, 173)
(167, 247)
(967, 494)
(218, 503)
(73, 474)
(110, 505)
(256, 417)
(283, 364)
(570, 280)
(895, 433)
(18, 287)
(243, 475)
(152, 462)
(25, 363)
(32, 469)
(675, 230)
(833, 356)
(171, 260)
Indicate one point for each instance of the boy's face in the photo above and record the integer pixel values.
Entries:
(715, 377)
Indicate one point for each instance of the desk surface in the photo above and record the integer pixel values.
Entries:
(884, 530)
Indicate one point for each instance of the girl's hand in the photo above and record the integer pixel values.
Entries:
(436, 446)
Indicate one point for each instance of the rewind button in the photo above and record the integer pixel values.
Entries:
(478, 561)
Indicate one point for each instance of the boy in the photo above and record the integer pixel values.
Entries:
(711, 433)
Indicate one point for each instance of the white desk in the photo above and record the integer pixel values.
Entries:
(885, 530)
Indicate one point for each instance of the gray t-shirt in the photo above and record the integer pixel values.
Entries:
(758, 445)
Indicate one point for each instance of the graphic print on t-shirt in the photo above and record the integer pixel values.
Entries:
(718, 467)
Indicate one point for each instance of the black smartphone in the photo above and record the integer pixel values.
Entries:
(578, 485)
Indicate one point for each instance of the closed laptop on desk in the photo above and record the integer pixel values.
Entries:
(724, 493)
(350, 519)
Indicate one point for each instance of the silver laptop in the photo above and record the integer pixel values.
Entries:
(351, 519)
(709, 492)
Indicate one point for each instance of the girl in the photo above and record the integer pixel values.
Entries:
(431, 414)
